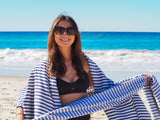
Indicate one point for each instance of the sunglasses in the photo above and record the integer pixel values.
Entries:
(60, 30)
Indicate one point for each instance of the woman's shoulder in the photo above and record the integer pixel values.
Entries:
(86, 66)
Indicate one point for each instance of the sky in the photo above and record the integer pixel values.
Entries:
(90, 15)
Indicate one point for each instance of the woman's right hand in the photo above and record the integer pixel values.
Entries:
(20, 113)
(149, 78)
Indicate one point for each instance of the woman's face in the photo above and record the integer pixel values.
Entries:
(64, 39)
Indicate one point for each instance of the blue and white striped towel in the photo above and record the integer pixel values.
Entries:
(117, 100)
(40, 98)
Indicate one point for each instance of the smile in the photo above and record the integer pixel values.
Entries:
(65, 40)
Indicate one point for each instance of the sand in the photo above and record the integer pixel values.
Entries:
(9, 89)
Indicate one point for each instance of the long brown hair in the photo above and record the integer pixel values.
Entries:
(55, 63)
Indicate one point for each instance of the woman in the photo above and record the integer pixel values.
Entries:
(66, 62)
(68, 65)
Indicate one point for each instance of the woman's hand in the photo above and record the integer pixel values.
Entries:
(149, 78)
(20, 114)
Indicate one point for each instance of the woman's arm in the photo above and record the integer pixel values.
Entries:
(20, 113)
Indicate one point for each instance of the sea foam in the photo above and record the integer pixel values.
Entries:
(108, 60)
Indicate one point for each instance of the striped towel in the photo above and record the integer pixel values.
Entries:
(40, 98)
(120, 101)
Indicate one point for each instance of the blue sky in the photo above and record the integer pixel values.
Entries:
(90, 15)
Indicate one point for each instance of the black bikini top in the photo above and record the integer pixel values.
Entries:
(78, 86)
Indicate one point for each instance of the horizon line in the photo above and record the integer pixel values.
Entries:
(85, 31)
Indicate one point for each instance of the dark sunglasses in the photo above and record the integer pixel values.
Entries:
(60, 30)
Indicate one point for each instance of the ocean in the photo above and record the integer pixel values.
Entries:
(117, 53)
(90, 40)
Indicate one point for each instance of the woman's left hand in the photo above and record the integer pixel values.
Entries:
(149, 78)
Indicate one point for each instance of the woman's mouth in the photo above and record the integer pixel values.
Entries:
(64, 40)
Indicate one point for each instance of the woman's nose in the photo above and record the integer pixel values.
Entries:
(65, 32)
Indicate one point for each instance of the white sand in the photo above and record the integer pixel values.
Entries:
(9, 90)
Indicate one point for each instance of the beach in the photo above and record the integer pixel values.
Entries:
(9, 89)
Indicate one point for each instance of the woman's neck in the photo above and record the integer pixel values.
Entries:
(66, 52)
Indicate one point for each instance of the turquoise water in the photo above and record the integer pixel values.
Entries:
(90, 40)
